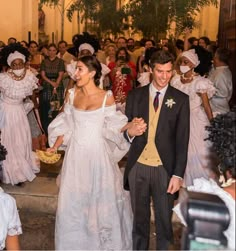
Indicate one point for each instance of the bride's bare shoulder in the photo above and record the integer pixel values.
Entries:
(110, 98)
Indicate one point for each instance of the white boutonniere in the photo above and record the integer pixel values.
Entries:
(170, 102)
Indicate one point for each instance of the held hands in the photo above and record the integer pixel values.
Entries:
(137, 127)
(54, 84)
(174, 184)
(54, 90)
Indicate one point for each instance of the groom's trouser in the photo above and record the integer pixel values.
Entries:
(146, 182)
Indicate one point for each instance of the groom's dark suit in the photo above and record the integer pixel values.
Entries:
(171, 140)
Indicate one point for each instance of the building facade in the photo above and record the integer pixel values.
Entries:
(19, 18)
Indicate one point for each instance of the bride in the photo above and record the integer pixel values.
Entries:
(94, 211)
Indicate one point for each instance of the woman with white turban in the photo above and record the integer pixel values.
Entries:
(200, 90)
(16, 84)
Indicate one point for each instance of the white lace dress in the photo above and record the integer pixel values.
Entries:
(199, 153)
(94, 211)
(9, 218)
(20, 164)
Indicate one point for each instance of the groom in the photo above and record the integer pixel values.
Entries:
(157, 159)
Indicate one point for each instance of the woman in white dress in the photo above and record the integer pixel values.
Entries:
(16, 84)
(200, 90)
(94, 211)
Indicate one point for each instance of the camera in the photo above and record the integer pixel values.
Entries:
(207, 218)
(125, 70)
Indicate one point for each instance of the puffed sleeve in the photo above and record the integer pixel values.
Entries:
(9, 218)
(71, 69)
(114, 121)
(144, 78)
(14, 226)
(204, 85)
(62, 125)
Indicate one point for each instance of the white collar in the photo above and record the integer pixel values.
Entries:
(153, 90)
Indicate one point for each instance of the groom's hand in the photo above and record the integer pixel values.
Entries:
(174, 184)
(137, 127)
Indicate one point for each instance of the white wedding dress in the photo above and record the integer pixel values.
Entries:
(94, 212)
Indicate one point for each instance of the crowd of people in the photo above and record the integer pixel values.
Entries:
(99, 101)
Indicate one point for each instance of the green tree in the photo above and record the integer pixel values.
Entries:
(102, 15)
(150, 16)
(153, 17)
(184, 12)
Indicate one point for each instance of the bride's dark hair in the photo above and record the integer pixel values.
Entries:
(222, 132)
(93, 65)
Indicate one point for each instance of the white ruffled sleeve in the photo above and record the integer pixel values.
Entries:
(114, 121)
(18, 89)
(9, 218)
(71, 69)
(14, 227)
(62, 125)
(144, 78)
(204, 85)
(199, 185)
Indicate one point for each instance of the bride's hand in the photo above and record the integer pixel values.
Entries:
(137, 127)
(51, 150)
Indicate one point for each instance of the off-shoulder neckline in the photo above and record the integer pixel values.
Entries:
(94, 110)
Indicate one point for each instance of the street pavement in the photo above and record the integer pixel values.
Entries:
(38, 227)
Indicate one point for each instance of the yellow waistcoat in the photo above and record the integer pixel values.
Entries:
(150, 155)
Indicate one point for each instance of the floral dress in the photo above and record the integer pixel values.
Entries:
(121, 83)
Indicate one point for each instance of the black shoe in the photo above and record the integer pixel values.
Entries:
(20, 184)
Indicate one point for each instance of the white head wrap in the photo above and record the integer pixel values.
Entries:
(13, 56)
(191, 56)
(86, 46)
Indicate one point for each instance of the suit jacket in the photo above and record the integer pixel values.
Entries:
(172, 133)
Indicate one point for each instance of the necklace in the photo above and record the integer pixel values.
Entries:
(15, 77)
(186, 78)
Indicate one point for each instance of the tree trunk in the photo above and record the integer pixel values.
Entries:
(62, 18)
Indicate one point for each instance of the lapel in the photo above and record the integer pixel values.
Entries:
(143, 106)
(164, 110)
